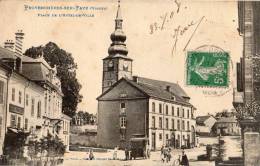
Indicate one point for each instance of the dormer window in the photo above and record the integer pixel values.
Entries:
(173, 98)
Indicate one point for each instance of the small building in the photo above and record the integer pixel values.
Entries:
(227, 126)
(204, 125)
(65, 133)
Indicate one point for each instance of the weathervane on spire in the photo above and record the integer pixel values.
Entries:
(118, 17)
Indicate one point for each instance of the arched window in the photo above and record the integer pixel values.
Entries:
(172, 110)
(153, 107)
(160, 108)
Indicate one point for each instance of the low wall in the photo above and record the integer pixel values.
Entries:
(83, 140)
(252, 149)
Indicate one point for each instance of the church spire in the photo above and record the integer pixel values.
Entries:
(118, 37)
(119, 18)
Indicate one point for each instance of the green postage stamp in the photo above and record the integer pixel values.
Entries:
(209, 69)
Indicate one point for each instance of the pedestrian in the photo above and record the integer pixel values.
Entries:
(115, 153)
(126, 153)
(184, 159)
(165, 153)
(162, 150)
(91, 155)
(162, 154)
(147, 151)
(169, 156)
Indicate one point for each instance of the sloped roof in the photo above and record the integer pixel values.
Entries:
(227, 120)
(27, 59)
(157, 92)
(7, 54)
(64, 116)
(35, 72)
(201, 119)
(175, 88)
(154, 90)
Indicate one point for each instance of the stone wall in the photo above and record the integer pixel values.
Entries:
(252, 149)
(83, 140)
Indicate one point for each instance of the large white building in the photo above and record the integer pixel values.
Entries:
(31, 96)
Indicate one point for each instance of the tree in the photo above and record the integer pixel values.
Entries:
(66, 71)
(250, 109)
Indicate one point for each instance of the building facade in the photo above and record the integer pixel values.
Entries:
(32, 96)
(247, 94)
(205, 125)
(131, 105)
(4, 77)
(248, 80)
(227, 126)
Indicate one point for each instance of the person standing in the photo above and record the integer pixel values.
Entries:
(115, 153)
(162, 154)
(184, 159)
(147, 151)
(126, 153)
(91, 155)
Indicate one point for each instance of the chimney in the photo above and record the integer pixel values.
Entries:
(19, 42)
(9, 44)
(19, 48)
(168, 88)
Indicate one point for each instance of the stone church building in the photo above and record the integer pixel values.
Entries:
(132, 105)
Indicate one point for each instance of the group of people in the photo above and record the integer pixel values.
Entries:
(166, 156)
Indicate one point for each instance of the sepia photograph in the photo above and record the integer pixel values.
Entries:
(130, 82)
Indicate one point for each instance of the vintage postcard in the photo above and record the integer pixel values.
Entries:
(130, 82)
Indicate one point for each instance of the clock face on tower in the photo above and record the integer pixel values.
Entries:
(110, 64)
(125, 66)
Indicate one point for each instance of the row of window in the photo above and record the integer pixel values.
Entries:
(228, 125)
(182, 114)
(177, 137)
(19, 96)
(33, 103)
(27, 102)
(16, 122)
(181, 125)
(179, 113)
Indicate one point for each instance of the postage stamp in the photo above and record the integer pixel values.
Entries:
(207, 68)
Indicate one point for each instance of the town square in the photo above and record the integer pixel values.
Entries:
(129, 82)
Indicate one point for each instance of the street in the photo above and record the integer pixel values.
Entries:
(231, 147)
(80, 158)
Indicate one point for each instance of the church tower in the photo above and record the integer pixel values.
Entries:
(116, 65)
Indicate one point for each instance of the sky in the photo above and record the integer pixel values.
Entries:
(151, 29)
